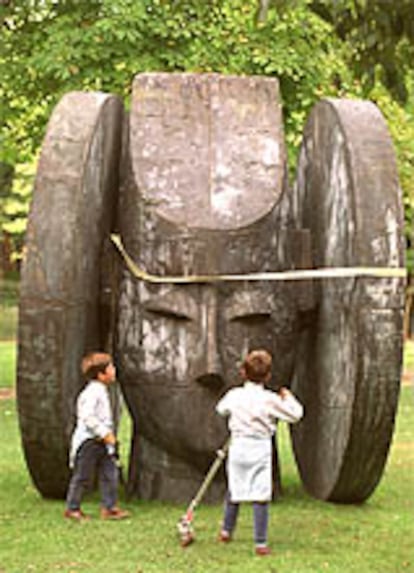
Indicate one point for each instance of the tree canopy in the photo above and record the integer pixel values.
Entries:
(380, 34)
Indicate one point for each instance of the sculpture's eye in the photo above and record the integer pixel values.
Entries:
(252, 318)
(249, 307)
(169, 313)
(172, 304)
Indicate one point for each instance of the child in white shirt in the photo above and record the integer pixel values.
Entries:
(253, 412)
(92, 439)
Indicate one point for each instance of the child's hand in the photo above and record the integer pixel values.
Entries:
(284, 392)
(109, 439)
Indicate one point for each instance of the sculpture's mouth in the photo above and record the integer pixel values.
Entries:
(211, 380)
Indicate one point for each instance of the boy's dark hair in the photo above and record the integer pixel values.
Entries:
(257, 365)
(95, 363)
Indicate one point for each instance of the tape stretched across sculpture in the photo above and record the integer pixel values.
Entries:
(195, 182)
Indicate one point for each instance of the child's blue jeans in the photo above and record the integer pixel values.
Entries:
(93, 456)
(260, 518)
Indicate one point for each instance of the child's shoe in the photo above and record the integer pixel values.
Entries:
(114, 513)
(262, 550)
(76, 515)
(224, 536)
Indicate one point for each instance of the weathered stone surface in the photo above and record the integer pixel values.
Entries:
(349, 359)
(179, 347)
(208, 150)
(59, 320)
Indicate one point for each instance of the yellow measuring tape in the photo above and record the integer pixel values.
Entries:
(300, 274)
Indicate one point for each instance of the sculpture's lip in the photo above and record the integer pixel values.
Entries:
(211, 380)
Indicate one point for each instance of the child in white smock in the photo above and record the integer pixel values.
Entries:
(253, 413)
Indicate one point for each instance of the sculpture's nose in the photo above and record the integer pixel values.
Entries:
(210, 368)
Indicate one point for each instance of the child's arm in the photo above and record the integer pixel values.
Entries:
(223, 407)
(93, 414)
(286, 407)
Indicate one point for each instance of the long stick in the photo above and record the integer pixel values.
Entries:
(221, 455)
(184, 525)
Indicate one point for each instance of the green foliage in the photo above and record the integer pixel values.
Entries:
(112, 41)
(378, 33)
(14, 206)
(63, 46)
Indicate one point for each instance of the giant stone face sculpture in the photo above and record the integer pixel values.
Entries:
(203, 193)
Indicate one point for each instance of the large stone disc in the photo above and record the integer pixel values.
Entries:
(349, 358)
(71, 214)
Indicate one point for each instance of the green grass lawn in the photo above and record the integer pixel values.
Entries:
(409, 355)
(7, 363)
(307, 536)
(8, 322)
(8, 332)
(9, 290)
